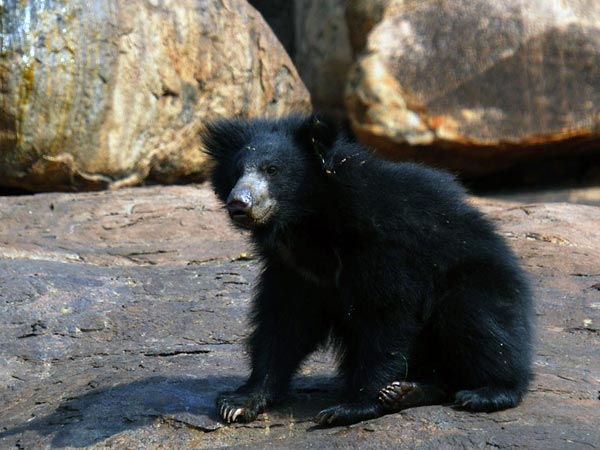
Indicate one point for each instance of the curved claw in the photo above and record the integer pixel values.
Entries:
(386, 396)
(325, 417)
(237, 413)
(234, 407)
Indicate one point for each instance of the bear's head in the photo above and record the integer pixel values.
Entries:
(269, 171)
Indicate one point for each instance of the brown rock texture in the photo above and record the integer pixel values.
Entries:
(108, 93)
(323, 54)
(362, 16)
(122, 313)
(477, 85)
(316, 37)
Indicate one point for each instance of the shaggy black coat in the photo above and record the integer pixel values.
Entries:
(422, 300)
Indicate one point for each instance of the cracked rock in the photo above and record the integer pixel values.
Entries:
(165, 333)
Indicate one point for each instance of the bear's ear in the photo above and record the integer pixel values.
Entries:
(222, 138)
(320, 134)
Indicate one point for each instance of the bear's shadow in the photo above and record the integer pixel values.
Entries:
(90, 418)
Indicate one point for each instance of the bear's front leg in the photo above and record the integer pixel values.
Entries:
(289, 325)
(275, 354)
(349, 413)
(242, 405)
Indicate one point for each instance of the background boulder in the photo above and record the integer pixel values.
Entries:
(107, 93)
(474, 86)
(323, 55)
(478, 85)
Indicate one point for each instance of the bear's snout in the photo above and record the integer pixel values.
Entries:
(249, 203)
(239, 203)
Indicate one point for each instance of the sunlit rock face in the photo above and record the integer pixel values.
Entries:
(477, 85)
(106, 93)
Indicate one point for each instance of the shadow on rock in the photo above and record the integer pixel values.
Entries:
(87, 419)
(99, 414)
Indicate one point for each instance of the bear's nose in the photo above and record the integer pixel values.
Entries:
(239, 203)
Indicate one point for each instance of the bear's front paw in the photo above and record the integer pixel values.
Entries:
(398, 395)
(348, 413)
(404, 394)
(331, 416)
(243, 408)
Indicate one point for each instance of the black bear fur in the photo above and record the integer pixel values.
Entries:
(422, 300)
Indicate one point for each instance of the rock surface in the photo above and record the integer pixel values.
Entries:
(363, 15)
(316, 37)
(109, 93)
(478, 85)
(122, 314)
(323, 55)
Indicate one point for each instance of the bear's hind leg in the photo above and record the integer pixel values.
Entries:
(485, 335)
(487, 399)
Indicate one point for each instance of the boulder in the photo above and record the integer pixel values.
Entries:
(123, 313)
(362, 16)
(110, 93)
(322, 52)
(280, 15)
(316, 37)
(477, 85)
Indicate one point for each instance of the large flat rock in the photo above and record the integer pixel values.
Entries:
(122, 313)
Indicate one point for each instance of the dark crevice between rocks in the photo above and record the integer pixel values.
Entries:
(177, 352)
(537, 175)
(587, 330)
(540, 174)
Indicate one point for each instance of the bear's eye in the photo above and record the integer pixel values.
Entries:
(272, 170)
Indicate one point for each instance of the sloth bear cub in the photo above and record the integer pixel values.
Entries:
(421, 300)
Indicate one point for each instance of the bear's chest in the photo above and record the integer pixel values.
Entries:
(320, 265)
